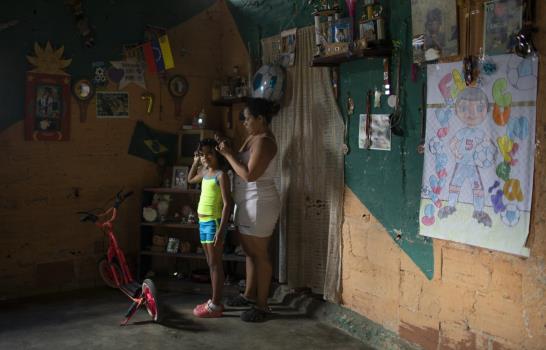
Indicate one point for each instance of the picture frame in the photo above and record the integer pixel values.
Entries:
(172, 245)
(343, 30)
(47, 111)
(112, 104)
(379, 134)
(180, 177)
(502, 22)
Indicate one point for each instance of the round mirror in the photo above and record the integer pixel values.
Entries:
(83, 90)
(178, 86)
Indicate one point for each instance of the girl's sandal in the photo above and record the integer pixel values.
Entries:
(255, 315)
(239, 300)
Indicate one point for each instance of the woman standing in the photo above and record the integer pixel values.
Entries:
(257, 202)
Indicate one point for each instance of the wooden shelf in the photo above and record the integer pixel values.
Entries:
(227, 102)
(334, 60)
(170, 190)
(170, 225)
(225, 257)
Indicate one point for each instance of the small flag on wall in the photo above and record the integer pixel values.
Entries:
(166, 51)
(149, 57)
(158, 56)
(152, 145)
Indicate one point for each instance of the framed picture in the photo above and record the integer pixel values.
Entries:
(172, 245)
(112, 104)
(435, 29)
(501, 24)
(343, 30)
(380, 133)
(180, 177)
(47, 112)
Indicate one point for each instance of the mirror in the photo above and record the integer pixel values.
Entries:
(83, 90)
(178, 86)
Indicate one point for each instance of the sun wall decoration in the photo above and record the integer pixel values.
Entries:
(47, 103)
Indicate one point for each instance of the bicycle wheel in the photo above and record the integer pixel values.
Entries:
(149, 293)
(106, 273)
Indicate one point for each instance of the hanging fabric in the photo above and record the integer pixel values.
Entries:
(309, 131)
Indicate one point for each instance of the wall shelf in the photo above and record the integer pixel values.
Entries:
(335, 60)
(227, 102)
(170, 190)
(225, 257)
(170, 225)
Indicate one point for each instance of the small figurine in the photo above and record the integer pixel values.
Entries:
(191, 218)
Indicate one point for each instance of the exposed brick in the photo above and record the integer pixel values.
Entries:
(427, 338)
(498, 317)
(462, 266)
(455, 335)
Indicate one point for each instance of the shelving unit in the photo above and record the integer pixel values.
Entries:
(183, 231)
(228, 103)
(356, 54)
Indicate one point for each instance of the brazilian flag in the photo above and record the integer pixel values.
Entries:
(153, 145)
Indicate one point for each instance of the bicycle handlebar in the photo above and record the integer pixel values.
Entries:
(88, 216)
(121, 197)
(85, 216)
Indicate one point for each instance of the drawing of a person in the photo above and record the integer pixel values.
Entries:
(471, 109)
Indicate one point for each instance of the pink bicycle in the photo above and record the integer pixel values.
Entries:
(113, 268)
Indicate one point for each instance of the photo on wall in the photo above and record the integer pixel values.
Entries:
(502, 22)
(434, 22)
(380, 133)
(112, 104)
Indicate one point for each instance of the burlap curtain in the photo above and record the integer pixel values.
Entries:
(309, 131)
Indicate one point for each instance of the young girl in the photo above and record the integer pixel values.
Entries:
(213, 210)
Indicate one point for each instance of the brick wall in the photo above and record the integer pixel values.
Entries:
(477, 299)
(43, 246)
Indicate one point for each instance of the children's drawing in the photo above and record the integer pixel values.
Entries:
(479, 156)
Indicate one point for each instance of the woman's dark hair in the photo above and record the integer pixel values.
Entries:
(212, 144)
(261, 106)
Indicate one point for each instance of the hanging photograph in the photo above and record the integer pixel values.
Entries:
(288, 47)
(112, 104)
(479, 155)
(435, 23)
(501, 24)
(380, 133)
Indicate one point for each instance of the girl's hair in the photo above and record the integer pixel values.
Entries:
(212, 144)
(261, 106)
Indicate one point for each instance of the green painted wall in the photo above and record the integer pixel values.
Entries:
(388, 183)
(116, 22)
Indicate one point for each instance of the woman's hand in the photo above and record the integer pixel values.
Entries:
(223, 147)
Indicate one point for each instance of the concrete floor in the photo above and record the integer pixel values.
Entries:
(89, 320)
